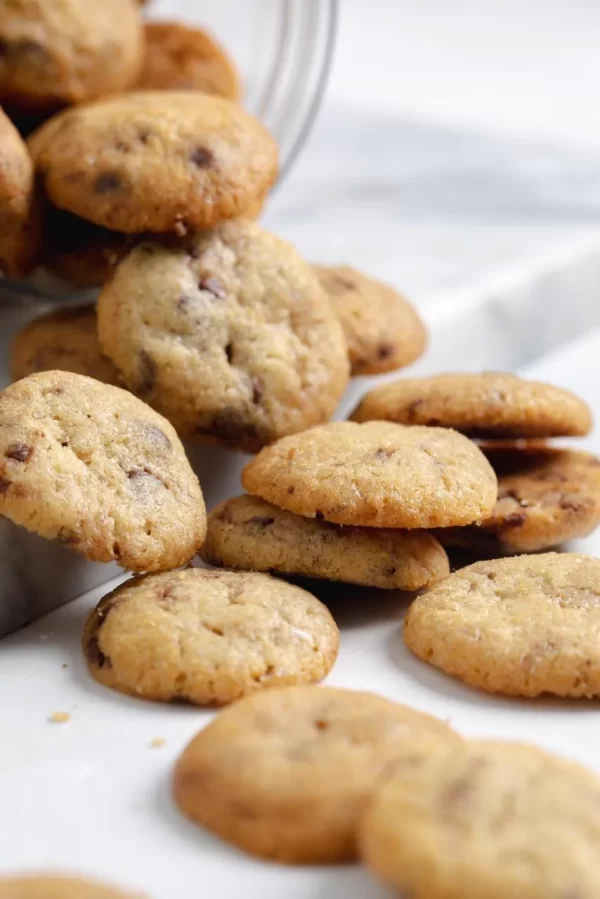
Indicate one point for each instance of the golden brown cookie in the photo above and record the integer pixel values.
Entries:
(377, 475)
(94, 467)
(80, 253)
(384, 331)
(65, 340)
(20, 207)
(208, 637)
(488, 404)
(57, 52)
(545, 497)
(227, 333)
(483, 819)
(248, 533)
(286, 774)
(178, 57)
(51, 886)
(158, 161)
(522, 626)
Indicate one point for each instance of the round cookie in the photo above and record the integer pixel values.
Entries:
(178, 57)
(248, 533)
(522, 626)
(286, 774)
(20, 207)
(64, 340)
(80, 253)
(481, 819)
(376, 475)
(227, 333)
(94, 467)
(546, 497)
(49, 886)
(57, 52)
(383, 330)
(158, 161)
(208, 637)
(487, 404)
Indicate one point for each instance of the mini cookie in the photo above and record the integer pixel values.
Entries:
(65, 340)
(80, 253)
(227, 333)
(208, 637)
(545, 497)
(251, 534)
(57, 52)
(181, 58)
(20, 208)
(488, 404)
(522, 626)
(383, 330)
(377, 475)
(286, 774)
(94, 467)
(158, 161)
(481, 819)
(48, 886)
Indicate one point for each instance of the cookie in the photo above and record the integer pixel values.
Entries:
(161, 161)
(227, 333)
(488, 404)
(65, 340)
(178, 57)
(48, 886)
(384, 331)
(545, 497)
(20, 207)
(286, 774)
(81, 254)
(376, 475)
(248, 533)
(522, 626)
(208, 637)
(485, 819)
(57, 52)
(92, 466)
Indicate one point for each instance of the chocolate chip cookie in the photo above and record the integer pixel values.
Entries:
(248, 533)
(81, 254)
(208, 637)
(286, 774)
(181, 58)
(20, 207)
(65, 340)
(384, 331)
(161, 161)
(227, 333)
(521, 626)
(57, 52)
(483, 819)
(488, 404)
(47, 886)
(94, 467)
(376, 474)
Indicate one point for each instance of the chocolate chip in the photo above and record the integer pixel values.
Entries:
(569, 505)
(4, 485)
(108, 182)
(147, 372)
(291, 490)
(202, 158)
(156, 436)
(144, 135)
(258, 390)
(263, 520)
(20, 452)
(385, 350)
(96, 656)
(229, 352)
(143, 479)
(212, 285)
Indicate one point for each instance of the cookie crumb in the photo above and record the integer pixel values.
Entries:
(59, 717)
(157, 742)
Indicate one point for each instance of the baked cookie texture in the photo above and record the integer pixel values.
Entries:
(208, 637)
(80, 253)
(92, 466)
(48, 886)
(485, 819)
(384, 331)
(58, 52)
(522, 626)
(227, 333)
(376, 474)
(286, 774)
(178, 57)
(160, 161)
(247, 533)
(65, 340)
(20, 206)
(488, 404)
(546, 497)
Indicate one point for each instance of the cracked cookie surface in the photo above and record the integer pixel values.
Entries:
(208, 637)
(522, 626)
(92, 466)
(286, 774)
